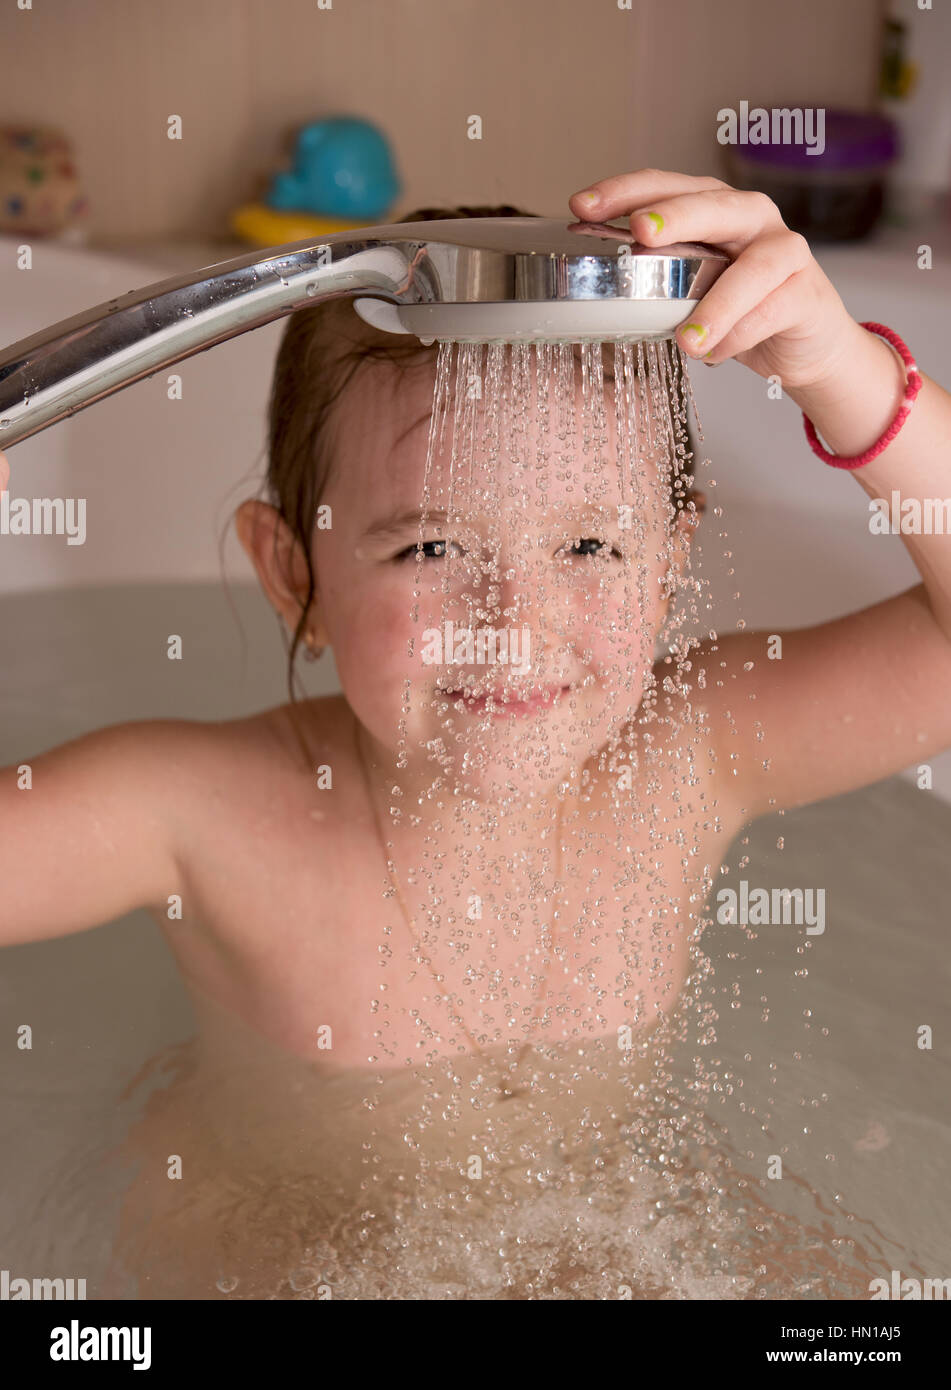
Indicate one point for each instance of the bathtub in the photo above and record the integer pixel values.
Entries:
(856, 1109)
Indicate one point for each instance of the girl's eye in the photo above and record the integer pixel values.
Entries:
(438, 553)
(592, 541)
(436, 549)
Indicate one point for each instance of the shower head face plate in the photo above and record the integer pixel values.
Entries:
(573, 321)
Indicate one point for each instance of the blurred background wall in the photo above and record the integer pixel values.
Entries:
(568, 90)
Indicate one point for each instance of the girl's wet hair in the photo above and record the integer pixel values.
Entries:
(321, 349)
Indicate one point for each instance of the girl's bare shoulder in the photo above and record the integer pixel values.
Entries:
(285, 737)
(280, 742)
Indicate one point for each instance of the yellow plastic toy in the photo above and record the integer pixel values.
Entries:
(262, 226)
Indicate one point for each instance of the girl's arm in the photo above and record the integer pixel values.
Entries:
(91, 837)
(862, 697)
(851, 701)
(851, 408)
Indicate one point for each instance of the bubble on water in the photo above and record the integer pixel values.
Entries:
(303, 1278)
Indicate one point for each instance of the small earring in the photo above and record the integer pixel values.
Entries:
(313, 652)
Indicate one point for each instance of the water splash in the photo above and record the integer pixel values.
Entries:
(539, 1115)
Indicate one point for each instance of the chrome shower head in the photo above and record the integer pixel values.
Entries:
(534, 279)
(482, 279)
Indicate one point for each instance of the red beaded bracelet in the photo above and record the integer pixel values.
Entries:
(912, 387)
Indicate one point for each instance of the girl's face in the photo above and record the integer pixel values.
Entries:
(553, 573)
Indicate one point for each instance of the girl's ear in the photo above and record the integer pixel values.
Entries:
(687, 521)
(277, 557)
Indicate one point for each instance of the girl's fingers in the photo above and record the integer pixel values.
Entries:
(724, 217)
(754, 275)
(778, 312)
(623, 193)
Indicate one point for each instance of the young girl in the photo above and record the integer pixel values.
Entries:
(428, 1018)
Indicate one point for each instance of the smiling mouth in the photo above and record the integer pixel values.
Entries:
(504, 704)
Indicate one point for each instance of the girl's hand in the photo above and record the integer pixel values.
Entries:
(773, 309)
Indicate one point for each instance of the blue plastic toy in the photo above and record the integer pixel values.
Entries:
(342, 167)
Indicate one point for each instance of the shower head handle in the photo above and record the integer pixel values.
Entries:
(460, 279)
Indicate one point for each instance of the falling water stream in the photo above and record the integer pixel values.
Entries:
(541, 1114)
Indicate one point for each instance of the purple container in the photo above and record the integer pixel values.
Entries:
(835, 195)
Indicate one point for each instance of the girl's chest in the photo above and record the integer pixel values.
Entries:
(485, 941)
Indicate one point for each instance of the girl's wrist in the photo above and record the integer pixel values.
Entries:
(857, 398)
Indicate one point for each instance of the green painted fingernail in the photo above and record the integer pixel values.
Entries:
(657, 220)
(694, 333)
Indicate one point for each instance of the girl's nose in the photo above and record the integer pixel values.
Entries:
(515, 584)
(520, 589)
